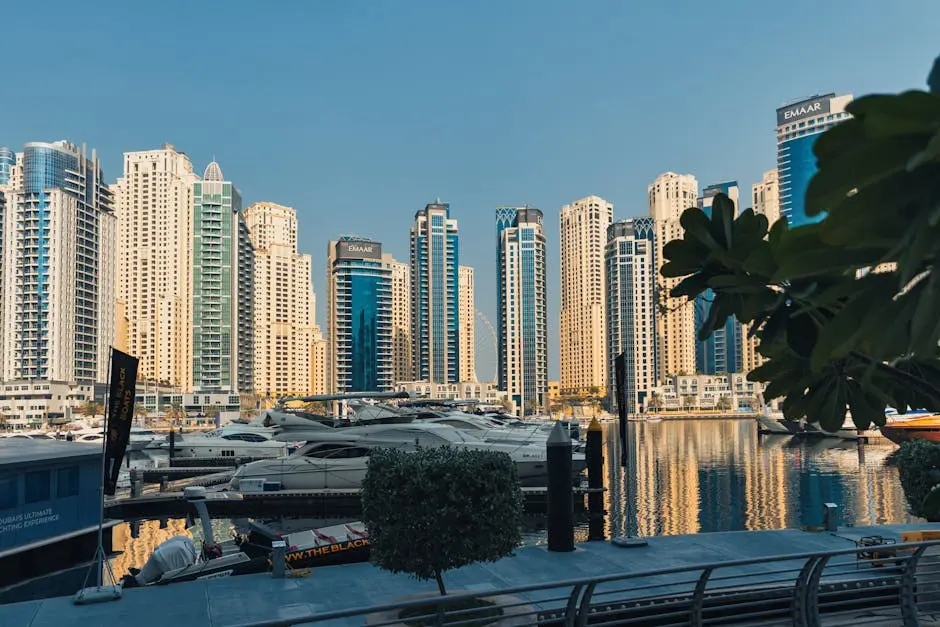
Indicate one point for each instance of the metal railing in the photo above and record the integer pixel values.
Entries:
(896, 584)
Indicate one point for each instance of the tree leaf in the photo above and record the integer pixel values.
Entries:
(801, 334)
(723, 220)
(925, 323)
(697, 225)
(933, 79)
(839, 336)
(930, 153)
(691, 286)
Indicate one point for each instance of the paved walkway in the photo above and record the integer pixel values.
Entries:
(238, 600)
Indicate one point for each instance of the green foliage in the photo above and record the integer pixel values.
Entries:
(919, 466)
(437, 509)
(836, 336)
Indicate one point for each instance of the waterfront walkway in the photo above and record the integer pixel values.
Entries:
(240, 600)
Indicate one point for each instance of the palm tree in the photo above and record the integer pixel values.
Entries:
(688, 401)
(140, 413)
(723, 403)
(176, 412)
(317, 407)
(530, 406)
(656, 402)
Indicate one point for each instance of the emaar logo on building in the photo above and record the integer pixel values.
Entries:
(817, 105)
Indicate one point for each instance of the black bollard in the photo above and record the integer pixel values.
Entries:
(135, 529)
(172, 442)
(560, 491)
(594, 456)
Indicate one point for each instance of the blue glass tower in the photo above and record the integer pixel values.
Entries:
(7, 161)
(523, 311)
(435, 287)
(798, 126)
(723, 351)
(359, 317)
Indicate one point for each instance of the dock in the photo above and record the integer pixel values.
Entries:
(324, 503)
(254, 598)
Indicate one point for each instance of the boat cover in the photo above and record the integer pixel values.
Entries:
(173, 554)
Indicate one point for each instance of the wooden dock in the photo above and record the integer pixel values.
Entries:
(295, 503)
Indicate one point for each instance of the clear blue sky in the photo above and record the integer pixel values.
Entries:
(358, 113)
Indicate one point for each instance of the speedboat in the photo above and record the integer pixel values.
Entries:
(924, 428)
(337, 458)
(776, 425)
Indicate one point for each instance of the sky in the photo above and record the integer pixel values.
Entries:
(358, 113)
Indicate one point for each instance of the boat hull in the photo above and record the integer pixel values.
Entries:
(901, 433)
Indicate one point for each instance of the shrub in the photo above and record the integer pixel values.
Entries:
(437, 509)
(919, 467)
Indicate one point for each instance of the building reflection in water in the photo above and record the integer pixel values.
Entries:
(717, 475)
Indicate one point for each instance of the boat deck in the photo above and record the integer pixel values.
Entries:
(241, 600)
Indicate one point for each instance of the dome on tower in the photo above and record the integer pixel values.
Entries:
(213, 172)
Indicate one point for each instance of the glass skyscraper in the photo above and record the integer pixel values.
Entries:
(58, 267)
(723, 351)
(359, 317)
(435, 288)
(223, 277)
(523, 308)
(798, 126)
(7, 161)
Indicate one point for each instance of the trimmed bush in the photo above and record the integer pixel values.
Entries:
(436, 509)
(919, 467)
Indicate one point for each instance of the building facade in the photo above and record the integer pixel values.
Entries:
(765, 196)
(484, 392)
(467, 320)
(359, 317)
(723, 350)
(435, 306)
(630, 277)
(58, 267)
(798, 126)
(154, 206)
(670, 195)
(286, 351)
(7, 161)
(582, 321)
(522, 301)
(726, 392)
(223, 276)
(402, 361)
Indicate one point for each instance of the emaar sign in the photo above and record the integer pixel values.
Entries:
(353, 249)
(805, 109)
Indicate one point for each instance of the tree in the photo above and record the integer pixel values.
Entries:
(176, 412)
(723, 403)
(837, 335)
(317, 407)
(90, 409)
(656, 402)
(211, 411)
(507, 404)
(531, 405)
(688, 402)
(140, 412)
(436, 509)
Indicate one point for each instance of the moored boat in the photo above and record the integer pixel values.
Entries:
(926, 428)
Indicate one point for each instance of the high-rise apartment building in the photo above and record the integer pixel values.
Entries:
(223, 276)
(798, 126)
(669, 196)
(722, 351)
(57, 267)
(467, 320)
(765, 196)
(7, 161)
(630, 277)
(522, 348)
(154, 206)
(286, 336)
(583, 310)
(402, 362)
(318, 383)
(359, 316)
(435, 307)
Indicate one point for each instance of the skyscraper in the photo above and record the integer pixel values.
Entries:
(583, 311)
(154, 206)
(58, 267)
(670, 195)
(359, 316)
(285, 330)
(223, 277)
(467, 319)
(765, 196)
(523, 307)
(7, 161)
(722, 351)
(798, 126)
(435, 308)
(402, 364)
(630, 276)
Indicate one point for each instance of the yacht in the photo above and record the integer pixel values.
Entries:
(227, 442)
(138, 440)
(337, 458)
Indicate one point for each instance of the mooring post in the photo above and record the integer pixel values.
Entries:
(172, 442)
(560, 490)
(594, 454)
(164, 483)
(135, 529)
(278, 553)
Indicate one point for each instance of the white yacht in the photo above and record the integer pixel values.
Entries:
(138, 440)
(227, 442)
(337, 457)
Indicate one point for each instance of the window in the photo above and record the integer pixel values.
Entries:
(66, 482)
(37, 486)
(8, 493)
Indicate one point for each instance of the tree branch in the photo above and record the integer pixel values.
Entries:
(927, 386)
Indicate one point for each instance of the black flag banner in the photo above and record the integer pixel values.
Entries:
(120, 415)
(620, 373)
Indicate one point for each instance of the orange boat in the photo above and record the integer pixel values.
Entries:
(927, 428)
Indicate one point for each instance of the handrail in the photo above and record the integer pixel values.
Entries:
(804, 596)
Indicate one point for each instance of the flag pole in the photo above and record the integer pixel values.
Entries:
(112, 592)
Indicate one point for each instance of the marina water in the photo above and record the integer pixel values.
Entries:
(686, 476)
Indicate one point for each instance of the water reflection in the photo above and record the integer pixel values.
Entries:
(700, 476)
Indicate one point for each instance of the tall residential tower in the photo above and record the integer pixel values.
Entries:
(523, 308)
(402, 363)
(467, 320)
(435, 307)
(583, 311)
